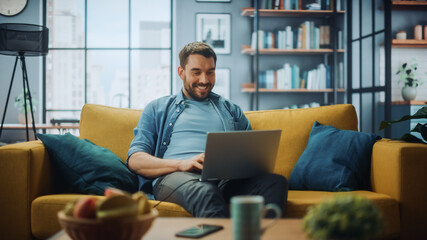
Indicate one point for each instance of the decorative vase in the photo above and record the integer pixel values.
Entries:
(409, 93)
(21, 118)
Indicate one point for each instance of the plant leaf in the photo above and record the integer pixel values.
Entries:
(407, 137)
(421, 113)
(421, 128)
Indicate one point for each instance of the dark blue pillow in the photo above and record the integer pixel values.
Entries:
(85, 167)
(334, 160)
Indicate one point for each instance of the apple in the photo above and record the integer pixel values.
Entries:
(85, 208)
(113, 191)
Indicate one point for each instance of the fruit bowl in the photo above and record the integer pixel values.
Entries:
(121, 228)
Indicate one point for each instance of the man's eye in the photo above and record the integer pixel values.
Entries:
(196, 73)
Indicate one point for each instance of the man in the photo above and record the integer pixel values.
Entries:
(168, 149)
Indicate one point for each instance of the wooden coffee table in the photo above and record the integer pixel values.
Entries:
(166, 227)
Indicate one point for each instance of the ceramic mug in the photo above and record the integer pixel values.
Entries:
(246, 214)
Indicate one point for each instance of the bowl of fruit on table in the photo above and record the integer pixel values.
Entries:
(118, 216)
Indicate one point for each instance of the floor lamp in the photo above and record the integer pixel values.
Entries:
(23, 40)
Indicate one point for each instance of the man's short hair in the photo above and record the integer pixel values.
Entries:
(195, 48)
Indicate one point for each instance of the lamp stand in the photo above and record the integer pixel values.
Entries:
(27, 95)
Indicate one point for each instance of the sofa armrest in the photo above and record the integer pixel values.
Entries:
(399, 169)
(25, 174)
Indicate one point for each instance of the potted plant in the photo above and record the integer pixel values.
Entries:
(343, 217)
(421, 128)
(20, 105)
(409, 75)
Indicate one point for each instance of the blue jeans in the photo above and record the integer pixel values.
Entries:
(211, 199)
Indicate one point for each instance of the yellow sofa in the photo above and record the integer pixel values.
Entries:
(399, 171)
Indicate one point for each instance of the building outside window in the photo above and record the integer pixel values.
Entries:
(114, 52)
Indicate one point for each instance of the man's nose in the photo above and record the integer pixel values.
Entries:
(203, 78)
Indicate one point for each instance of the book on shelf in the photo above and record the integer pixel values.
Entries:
(306, 36)
(300, 4)
(289, 77)
(341, 76)
(340, 40)
(281, 4)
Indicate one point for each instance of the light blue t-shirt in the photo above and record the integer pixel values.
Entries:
(189, 133)
(190, 130)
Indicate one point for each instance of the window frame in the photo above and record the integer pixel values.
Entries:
(129, 50)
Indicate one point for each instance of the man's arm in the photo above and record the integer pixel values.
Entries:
(149, 166)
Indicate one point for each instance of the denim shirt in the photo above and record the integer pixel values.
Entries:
(155, 127)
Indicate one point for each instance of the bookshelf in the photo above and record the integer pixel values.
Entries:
(408, 43)
(246, 49)
(250, 12)
(329, 55)
(412, 13)
(409, 5)
(250, 88)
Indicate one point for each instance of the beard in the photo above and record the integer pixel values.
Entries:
(194, 94)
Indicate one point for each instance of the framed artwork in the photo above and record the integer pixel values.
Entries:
(215, 30)
(213, 0)
(222, 82)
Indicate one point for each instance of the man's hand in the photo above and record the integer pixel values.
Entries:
(194, 163)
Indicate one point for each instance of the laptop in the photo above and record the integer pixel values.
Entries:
(239, 154)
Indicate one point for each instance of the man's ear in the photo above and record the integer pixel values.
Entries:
(181, 72)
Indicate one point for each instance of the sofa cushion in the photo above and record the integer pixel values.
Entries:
(334, 160)
(85, 167)
(296, 125)
(109, 127)
(44, 209)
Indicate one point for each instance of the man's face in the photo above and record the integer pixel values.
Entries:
(198, 76)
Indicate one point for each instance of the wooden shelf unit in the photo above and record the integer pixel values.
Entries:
(298, 90)
(409, 5)
(409, 43)
(246, 49)
(327, 53)
(250, 88)
(249, 12)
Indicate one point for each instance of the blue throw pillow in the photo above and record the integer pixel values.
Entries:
(334, 160)
(85, 167)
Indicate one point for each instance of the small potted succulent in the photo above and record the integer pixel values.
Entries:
(20, 105)
(410, 78)
(343, 217)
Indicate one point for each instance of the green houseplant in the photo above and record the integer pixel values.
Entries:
(411, 80)
(20, 105)
(421, 128)
(343, 217)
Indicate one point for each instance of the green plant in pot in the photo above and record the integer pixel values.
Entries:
(420, 128)
(20, 105)
(409, 76)
(343, 217)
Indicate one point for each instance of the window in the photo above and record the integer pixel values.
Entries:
(109, 52)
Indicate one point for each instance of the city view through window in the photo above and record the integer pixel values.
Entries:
(118, 55)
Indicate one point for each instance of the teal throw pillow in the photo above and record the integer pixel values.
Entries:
(85, 167)
(334, 160)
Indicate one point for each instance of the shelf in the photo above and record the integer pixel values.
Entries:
(409, 5)
(409, 43)
(412, 102)
(249, 12)
(248, 88)
(274, 51)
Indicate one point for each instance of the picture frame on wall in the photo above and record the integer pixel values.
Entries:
(222, 82)
(215, 30)
(213, 1)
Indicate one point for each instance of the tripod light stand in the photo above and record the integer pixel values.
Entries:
(23, 40)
